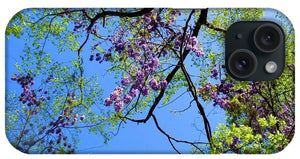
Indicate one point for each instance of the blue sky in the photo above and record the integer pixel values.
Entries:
(133, 138)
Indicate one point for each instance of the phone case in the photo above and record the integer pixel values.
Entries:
(140, 80)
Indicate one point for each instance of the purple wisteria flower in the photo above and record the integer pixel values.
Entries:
(107, 102)
(223, 103)
(207, 87)
(119, 105)
(153, 84)
(119, 90)
(145, 91)
(114, 95)
(286, 130)
(214, 95)
(127, 99)
(133, 92)
(155, 62)
(214, 73)
(193, 40)
(125, 81)
(189, 47)
(147, 19)
(163, 84)
(286, 109)
(140, 75)
(199, 50)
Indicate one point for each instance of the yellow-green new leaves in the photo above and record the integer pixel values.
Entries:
(263, 122)
(15, 30)
(242, 139)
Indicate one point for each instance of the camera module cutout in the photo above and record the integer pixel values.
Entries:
(254, 50)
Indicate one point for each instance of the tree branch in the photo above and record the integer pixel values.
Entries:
(80, 61)
(59, 13)
(173, 100)
(184, 33)
(212, 26)
(192, 89)
(174, 146)
(183, 110)
(103, 14)
(174, 139)
(201, 21)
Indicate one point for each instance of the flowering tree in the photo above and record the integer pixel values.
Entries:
(148, 51)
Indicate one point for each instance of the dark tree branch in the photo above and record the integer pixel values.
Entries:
(61, 13)
(103, 14)
(184, 33)
(119, 126)
(212, 26)
(173, 100)
(192, 89)
(201, 21)
(265, 98)
(80, 62)
(47, 35)
(174, 146)
(22, 132)
(174, 139)
(86, 14)
(183, 110)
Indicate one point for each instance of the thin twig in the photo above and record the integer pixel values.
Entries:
(173, 100)
(174, 139)
(180, 111)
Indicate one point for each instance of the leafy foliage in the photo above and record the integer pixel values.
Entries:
(151, 54)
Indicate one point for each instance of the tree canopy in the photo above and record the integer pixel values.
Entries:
(151, 55)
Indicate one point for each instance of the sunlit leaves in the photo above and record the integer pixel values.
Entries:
(139, 53)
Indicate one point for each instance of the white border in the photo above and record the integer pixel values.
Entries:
(8, 8)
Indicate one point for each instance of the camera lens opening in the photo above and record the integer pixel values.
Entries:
(242, 63)
(268, 37)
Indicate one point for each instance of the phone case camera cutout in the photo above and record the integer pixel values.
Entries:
(149, 80)
(255, 51)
